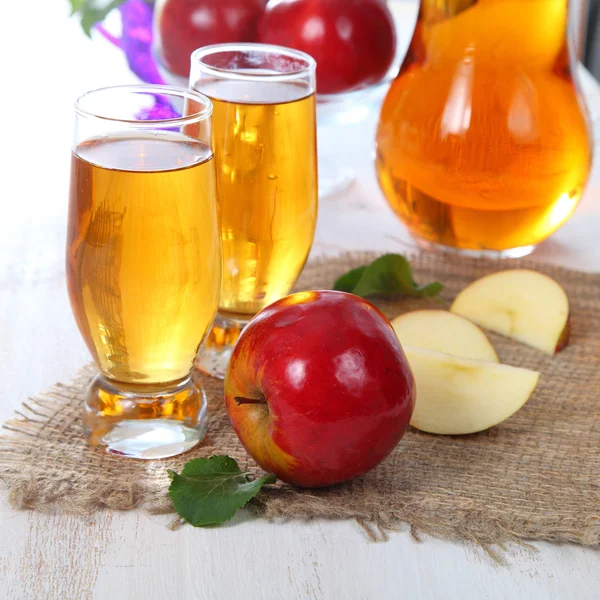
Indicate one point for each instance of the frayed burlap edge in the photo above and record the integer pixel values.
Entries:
(24, 490)
(280, 502)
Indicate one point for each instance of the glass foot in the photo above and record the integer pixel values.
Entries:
(214, 356)
(143, 421)
(475, 253)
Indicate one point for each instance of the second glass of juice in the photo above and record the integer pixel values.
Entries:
(264, 136)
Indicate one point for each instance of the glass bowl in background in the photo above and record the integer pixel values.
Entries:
(358, 106)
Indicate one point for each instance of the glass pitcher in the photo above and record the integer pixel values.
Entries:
(483, 144)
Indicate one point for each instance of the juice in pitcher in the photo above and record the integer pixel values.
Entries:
(483, 142)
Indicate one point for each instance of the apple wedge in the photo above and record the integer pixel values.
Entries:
(460, 395)
(443, 331)
(524, 305)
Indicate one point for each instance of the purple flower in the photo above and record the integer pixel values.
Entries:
(136, 43)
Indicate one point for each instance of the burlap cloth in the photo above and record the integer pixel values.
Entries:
(535, 476)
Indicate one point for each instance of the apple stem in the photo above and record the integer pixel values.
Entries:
(241, 400)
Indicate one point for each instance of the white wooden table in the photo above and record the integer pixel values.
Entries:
(133, 555)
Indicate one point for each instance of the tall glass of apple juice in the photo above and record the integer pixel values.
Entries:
(143, 263)
(266, 160)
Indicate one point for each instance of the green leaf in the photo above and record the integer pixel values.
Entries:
(91, 12)
(348, 281)
(209, 491)
(76, 5)
(388, 275)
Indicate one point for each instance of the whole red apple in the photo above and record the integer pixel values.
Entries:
(318, 388)
(182, 26)
(353, 41)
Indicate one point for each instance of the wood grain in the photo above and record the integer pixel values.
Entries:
(135, 556)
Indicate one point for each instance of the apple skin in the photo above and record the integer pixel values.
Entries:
(332, 389)
(353, 41)
(182, 26)
(565, 337)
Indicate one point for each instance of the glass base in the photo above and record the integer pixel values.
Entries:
(475, 253)
(144, 421)
(214, 356)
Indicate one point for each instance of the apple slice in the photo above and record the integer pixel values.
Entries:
(443, 331)
(524, 305)
(460, 395)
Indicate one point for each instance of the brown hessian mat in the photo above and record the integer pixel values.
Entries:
(535, 476)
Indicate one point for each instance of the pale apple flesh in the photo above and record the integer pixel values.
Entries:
(521, 304)
(443, 331)
(457, 395)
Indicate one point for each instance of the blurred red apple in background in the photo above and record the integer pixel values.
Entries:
(181, 26)
(353, 41)
(318, 388)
